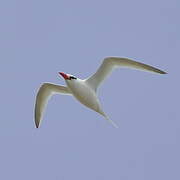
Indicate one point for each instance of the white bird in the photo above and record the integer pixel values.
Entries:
(85, 90)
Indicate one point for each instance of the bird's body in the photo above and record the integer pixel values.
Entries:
(85, 91)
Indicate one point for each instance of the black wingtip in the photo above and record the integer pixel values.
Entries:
(163, 72)
(160, 71)
(37, 125)
(36, 119)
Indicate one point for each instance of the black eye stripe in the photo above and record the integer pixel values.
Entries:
(72, 77)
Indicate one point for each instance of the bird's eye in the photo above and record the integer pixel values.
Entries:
(72, 77)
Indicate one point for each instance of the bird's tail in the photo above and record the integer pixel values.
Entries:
(100, 111)
(109, 120)
(112, 122)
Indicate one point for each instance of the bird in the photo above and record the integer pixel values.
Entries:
(85, 90)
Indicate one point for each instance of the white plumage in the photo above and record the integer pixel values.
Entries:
(85, 90)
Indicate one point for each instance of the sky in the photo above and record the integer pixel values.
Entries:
(39, 38)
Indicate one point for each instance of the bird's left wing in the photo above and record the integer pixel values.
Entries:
(110, 63)
(43, 95)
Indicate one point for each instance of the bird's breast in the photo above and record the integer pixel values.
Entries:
(87, 96)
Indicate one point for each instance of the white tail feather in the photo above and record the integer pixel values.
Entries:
(107, 118)
(112, 122)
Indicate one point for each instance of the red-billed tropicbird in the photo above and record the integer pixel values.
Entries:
(85, 90)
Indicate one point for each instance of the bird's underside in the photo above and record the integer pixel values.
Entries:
(43, 95)
(86, 88)
(111, 63)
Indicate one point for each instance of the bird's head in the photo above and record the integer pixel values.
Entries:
(67, 77)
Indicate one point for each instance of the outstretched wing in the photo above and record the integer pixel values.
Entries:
(43, 95)
(113, 62)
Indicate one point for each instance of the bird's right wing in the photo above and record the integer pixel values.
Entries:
(110, 63)
(43, 95)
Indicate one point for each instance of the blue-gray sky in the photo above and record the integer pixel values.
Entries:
(39, 38)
